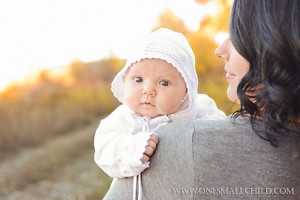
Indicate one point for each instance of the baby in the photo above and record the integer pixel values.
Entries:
(157, 85)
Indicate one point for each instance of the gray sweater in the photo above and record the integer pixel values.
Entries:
(216, 159)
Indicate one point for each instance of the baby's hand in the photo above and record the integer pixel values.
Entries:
(150, 148)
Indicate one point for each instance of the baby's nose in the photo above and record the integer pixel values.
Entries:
(149, 89)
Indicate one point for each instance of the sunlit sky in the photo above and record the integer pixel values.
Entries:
(38, 34)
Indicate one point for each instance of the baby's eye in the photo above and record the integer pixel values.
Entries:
(164, 83)
(138, 79)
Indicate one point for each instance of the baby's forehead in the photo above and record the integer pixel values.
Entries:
(152, 65)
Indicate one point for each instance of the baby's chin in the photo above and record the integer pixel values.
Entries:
(150, 115)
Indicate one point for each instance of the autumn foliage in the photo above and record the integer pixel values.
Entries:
(53, 104)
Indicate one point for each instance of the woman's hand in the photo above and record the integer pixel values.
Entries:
(150, 149)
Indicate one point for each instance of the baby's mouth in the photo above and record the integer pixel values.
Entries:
(147, 103)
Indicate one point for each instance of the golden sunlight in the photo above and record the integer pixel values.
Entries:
(44, 34)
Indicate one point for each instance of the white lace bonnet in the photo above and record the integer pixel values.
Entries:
(167, 45)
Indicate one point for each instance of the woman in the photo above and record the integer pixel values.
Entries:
(269, 40)
(255, 153)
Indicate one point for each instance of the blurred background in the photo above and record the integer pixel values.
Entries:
(57, 61)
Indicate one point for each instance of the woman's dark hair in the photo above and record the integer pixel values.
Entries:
(267, 34)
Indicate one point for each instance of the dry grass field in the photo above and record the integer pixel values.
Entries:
(62, 168)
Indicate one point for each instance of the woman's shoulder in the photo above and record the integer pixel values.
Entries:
(228, 152)
(233, 139)
(223, 126)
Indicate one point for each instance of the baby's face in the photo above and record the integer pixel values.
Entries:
(153, 87)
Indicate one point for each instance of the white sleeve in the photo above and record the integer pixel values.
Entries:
(117, 152)
(207, 108)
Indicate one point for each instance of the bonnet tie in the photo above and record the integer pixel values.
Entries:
(148, 125)
(138, 177)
